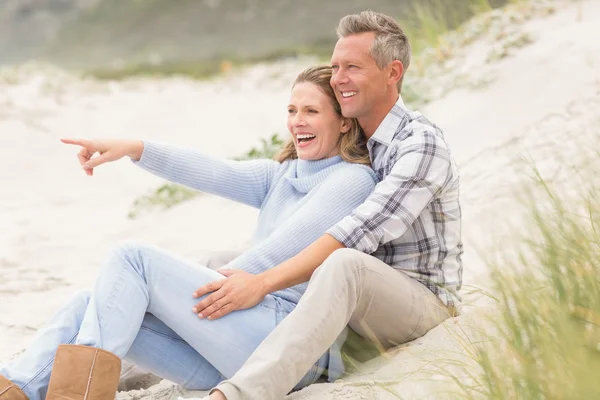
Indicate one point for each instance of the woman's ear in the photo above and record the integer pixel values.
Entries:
(346, 125)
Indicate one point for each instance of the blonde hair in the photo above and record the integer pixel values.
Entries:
(352, 145)
(391, 43)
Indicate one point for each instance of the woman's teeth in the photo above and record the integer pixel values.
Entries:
(305, 137)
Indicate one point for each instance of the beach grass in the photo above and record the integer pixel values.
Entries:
(546, 338)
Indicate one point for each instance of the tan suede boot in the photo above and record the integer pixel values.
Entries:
(10, 391)
(84, 373)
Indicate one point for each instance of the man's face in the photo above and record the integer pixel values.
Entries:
(358, 83)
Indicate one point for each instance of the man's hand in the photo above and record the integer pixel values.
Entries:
(238, 291)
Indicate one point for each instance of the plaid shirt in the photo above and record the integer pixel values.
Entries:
(412, 221)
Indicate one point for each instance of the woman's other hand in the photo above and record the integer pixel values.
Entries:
(239, 291)
(108, 149)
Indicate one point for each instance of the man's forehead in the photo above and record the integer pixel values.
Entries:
(353, 46)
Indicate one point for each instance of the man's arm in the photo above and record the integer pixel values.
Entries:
(300, 268)
(295, 246)
(423, 169)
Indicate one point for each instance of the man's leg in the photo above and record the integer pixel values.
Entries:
(352, 288)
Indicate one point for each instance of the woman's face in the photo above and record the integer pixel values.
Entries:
(313, 123)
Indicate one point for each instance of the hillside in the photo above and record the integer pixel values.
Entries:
(96, 33)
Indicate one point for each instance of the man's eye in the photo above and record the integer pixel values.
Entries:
(312, 111)
(290, 111)
(335, 67)
(352, 66)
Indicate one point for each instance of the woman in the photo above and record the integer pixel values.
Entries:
(142, 307)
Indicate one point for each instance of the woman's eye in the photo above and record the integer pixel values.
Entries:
(312, 111)
(290, 111)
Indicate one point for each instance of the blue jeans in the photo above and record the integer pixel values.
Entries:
(141, 310)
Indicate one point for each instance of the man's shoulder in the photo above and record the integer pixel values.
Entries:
(414, 123)
(414, 132)
(417, 135)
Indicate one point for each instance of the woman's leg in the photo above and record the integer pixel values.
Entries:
(139, 279)
(132, 375)
(31, 369)
(158, 349)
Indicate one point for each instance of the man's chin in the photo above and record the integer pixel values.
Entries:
(349, 112)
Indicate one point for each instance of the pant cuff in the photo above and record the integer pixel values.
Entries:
(229, 390)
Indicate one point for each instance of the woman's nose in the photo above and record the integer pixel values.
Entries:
(299, 120)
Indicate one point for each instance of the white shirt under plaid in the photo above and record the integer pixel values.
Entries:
(412, 220)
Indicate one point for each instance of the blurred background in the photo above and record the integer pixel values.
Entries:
(195, 34)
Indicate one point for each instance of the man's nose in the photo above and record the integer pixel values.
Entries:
(339, 77)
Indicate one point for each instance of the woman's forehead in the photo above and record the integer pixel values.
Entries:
(307, 93)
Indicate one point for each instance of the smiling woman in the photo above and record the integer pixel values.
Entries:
(317, 125)
(163, 312)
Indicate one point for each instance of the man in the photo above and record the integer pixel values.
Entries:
(392, 269)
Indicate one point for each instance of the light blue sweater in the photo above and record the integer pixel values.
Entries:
(299, 200)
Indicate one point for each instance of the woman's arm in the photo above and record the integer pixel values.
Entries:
(244, 181)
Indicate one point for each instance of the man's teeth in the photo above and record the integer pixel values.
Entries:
(348, 94)
(305, 136)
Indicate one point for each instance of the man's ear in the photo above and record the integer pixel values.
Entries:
(396, 71)
(346, 125)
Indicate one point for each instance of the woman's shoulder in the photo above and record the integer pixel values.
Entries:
(355, 171)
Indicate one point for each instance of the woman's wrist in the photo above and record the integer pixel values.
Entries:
(135, 150)
(267, 286)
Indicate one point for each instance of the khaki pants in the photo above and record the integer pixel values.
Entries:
(349, 288)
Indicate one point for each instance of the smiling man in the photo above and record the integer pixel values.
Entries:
(392, 269)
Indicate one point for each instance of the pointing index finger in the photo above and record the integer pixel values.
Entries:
(78, 142)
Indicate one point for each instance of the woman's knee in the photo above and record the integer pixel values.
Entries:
(133, 253)
(79, 301)
(129, 248)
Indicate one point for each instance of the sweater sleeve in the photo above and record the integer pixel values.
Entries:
(246, 182)
(333, 200)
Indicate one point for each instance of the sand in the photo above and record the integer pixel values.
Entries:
(58, 224)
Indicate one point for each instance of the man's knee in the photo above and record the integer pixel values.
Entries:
(343, 263)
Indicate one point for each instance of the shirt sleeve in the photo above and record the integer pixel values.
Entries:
(422, 170)
(247, 182)
(332, 200)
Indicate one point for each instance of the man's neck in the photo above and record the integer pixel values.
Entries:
(369, 123)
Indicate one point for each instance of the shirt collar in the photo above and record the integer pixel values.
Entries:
(387, 128)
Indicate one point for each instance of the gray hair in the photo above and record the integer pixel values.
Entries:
(390, 41)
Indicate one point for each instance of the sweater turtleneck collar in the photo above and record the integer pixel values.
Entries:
(306, 174)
